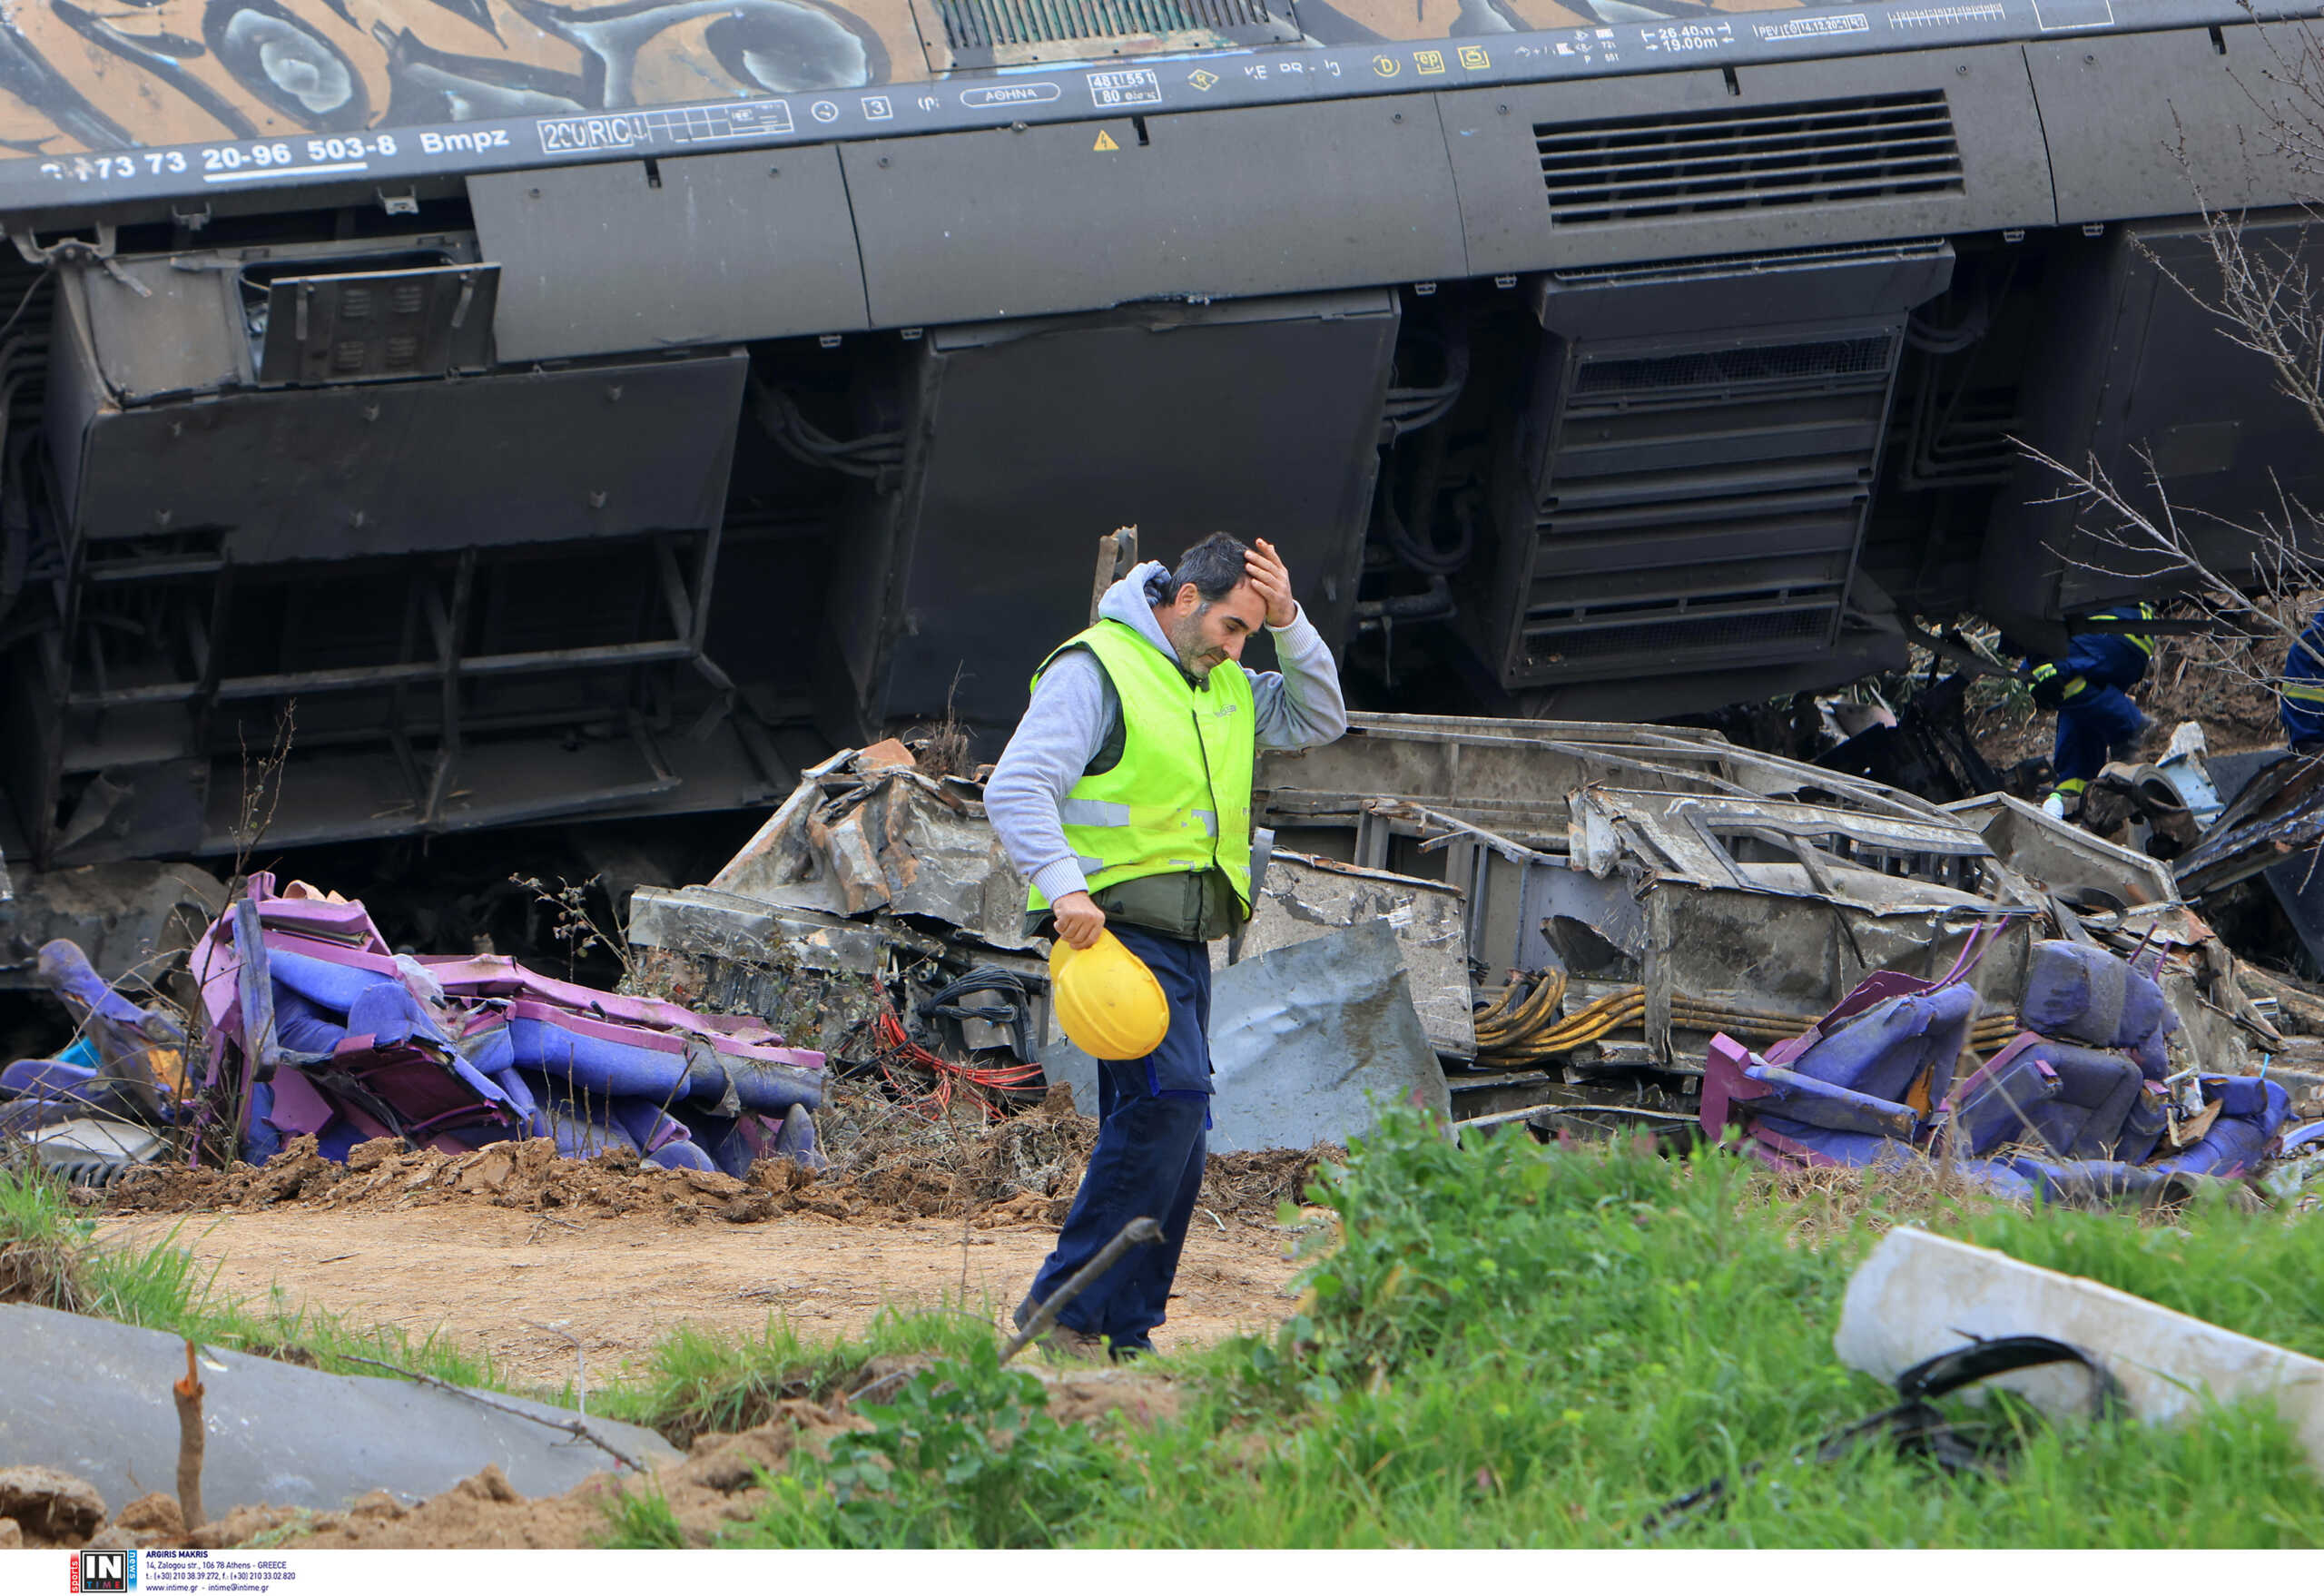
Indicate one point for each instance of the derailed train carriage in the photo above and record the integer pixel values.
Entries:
(592, 411)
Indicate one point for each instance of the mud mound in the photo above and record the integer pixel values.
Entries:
(2222, 681)
(891, 1163)
(901, 1161)
(527, 1176)
(1253, 1186)
(42, 1273)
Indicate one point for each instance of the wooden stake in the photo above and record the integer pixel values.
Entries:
(188, 1392)
(1116, 554)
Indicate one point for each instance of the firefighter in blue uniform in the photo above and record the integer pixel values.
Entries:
(2302, 693)
(2097, 722)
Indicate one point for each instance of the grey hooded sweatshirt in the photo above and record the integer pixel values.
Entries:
(1076, 712)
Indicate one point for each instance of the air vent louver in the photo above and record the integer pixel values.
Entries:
(1832, 152)
(1696, 508)
(989, 25)
(1711, 630)
(1730, 368)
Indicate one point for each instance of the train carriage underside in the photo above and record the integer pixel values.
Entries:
(596, 412)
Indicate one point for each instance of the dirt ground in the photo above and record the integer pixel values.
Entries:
(512, 1250)
(495, 1280)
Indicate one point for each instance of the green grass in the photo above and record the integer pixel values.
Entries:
(1507, 1345)
(162, 1286)
(2257, 1272)
(1518, 1346)
(694, 1383)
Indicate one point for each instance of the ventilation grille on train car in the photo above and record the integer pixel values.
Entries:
(1729, 368)
(985, 24)
(1706, 628)
(1886, 254)
(1833, 151)
(1696, 508)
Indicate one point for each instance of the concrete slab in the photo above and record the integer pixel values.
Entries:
(92, 1397)
(1919, 1294)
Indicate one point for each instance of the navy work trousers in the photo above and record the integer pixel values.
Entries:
(2096, 724)
(1152, 1114)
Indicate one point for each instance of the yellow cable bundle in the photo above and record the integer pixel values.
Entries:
(1530, 1043)
(1501, 1025)
(1511, 1034)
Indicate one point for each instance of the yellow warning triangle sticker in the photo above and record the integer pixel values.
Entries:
(1105, 142)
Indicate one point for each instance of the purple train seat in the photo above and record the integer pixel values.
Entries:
(2087, 995)
(456, 1052)
(1838, 1093)
(2073, 1102)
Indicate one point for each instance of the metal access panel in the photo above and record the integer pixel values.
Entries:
(1258, 419)
(397, 467)
(2163, 124)
(1681, 500)
(2142, 376)
(656, 254)
(367, 326)
(156, 329)
(1078, 216)
(1675, 166)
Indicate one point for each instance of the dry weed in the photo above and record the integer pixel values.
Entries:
(41, 1273)
(1832, 1203)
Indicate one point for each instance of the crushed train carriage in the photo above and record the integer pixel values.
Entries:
(485, 375)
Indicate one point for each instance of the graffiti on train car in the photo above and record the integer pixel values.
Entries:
(76, 79)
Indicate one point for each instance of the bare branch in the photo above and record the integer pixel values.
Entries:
(574, 1427)
(2110, 516)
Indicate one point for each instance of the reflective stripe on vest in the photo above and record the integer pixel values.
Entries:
(2145, 612)
(2044, 672)
(1180, 797)
(2304, 692)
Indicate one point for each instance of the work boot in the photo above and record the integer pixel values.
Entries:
(1064, 1344)
(1061, 1341)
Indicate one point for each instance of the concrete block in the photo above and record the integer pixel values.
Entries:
(1919, 1294)
(92, 1397)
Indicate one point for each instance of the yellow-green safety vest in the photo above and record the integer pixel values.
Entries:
(1180, 798)
(2140, 641)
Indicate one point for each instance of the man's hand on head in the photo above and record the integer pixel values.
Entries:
(1265, 571)
(1078, 919)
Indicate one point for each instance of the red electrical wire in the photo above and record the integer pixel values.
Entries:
(893, 1046)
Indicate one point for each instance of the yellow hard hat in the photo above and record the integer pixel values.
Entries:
(1108, 1001)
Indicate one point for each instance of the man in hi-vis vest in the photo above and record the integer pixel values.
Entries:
(1124, 798)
